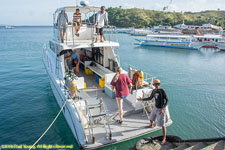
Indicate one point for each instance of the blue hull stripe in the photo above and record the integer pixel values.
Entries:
(169, 46)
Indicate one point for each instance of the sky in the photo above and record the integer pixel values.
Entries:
(39, 12)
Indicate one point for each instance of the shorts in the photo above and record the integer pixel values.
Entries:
(99, 31)
(123, 97)
(62, 29)
(76, 23)
(73, 64)
(160, 119)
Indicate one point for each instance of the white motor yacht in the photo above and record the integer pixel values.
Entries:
(90, 106)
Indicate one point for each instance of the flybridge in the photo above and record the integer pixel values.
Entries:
(83, 9)
(87, 32)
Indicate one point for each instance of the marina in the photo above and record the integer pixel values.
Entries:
(28, 70)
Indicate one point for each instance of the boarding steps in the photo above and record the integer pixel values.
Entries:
(196, 144)
(96, 112)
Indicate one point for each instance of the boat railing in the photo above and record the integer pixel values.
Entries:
(90, 123)
(93, 119)
(146, 76)
(111, 34)
(87, 33)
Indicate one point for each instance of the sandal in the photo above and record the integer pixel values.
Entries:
(150, 126)
(118, 121)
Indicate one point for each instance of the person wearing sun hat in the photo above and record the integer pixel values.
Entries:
(158, 112)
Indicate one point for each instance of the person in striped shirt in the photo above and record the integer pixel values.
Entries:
(77, 21)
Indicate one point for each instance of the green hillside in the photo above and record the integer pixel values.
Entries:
(140, 18)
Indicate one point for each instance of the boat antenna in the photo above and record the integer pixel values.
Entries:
(166, 7)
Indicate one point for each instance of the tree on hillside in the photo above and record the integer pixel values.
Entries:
(141, 18)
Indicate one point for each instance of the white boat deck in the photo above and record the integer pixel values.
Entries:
(87, 44)
(133, 122)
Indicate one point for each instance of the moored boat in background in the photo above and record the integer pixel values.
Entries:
(182, 41)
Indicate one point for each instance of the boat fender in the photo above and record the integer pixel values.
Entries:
(141, 74)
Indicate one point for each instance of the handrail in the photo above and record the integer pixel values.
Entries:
(110, 33)
(90, 120)
(146, 77)
(107, 119)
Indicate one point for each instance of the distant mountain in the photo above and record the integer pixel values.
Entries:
(140, 18)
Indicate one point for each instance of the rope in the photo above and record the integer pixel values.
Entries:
(211, 84)
(49, 125)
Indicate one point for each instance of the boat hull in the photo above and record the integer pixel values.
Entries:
(180, 45)
(69, 112)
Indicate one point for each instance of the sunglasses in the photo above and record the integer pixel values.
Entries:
(156, 84)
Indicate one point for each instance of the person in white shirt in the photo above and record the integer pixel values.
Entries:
(102, 18)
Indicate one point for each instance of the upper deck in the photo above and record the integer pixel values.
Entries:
(87, 33)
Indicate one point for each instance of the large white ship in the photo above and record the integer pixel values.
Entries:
(90, 110)
(194, 42)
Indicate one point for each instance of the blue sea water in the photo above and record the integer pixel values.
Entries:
(193, 80)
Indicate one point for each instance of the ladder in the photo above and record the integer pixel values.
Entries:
(96, 111)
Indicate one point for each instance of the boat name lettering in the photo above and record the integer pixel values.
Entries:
(178, 45)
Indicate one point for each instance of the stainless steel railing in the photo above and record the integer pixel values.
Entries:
(146, 76)
(111, 33)
(69, 36)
